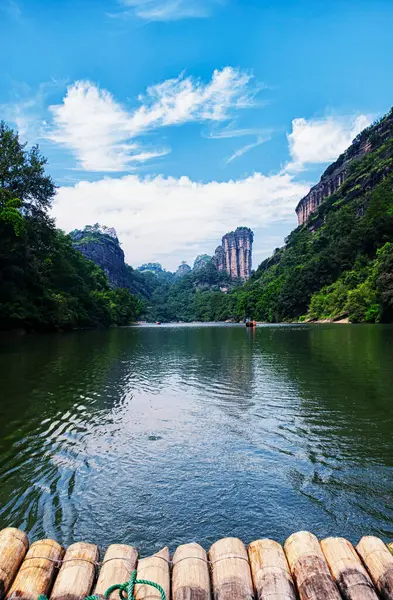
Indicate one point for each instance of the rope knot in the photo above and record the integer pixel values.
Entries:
(126, 590)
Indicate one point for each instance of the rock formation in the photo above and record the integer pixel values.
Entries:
(336, 173)
(101, 245)
(235, 254)
(183, 269)
(201, 261)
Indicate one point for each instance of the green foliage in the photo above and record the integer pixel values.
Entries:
(153, 267)
(10, 212)
(341, 262)
(45, 283)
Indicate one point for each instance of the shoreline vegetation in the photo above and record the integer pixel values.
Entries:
(337, 267)
(45, 284)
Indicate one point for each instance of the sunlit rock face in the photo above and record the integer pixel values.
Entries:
(235, 253)
(335, 175)
(101, 245)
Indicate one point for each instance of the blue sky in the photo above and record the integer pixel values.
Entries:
(177, 120)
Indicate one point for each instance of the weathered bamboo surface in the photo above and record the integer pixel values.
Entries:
(38, 571)
(190, 573)
(13, 547)
(77, 573)
(118, 564)
(153, 568)
(230, 569)
(348, 572)
(379, 563)
(304, 568)
(309, 568)
(270, 571)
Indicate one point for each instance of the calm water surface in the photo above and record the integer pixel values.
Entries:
(171, 434)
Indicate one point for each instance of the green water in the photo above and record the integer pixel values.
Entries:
(165, 435)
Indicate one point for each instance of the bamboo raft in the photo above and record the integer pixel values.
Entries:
(303, 568)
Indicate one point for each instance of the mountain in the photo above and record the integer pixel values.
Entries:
(337, 264)
(339, 261)
(369, 140)
(101, 245)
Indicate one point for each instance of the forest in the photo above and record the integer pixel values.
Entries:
(45, 284)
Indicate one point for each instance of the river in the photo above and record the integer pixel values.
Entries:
(159, 435)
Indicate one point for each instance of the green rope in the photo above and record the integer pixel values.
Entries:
(126, 590)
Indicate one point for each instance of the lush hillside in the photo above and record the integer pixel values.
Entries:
(195, 296)
(45, 283)
(340, 263)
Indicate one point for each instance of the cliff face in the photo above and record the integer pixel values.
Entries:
(183, 269)
(101, 245)
(335, 175)
(235, 254)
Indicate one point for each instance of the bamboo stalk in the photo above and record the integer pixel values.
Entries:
(76, 576)
(270, 571)
(119, 562)
(348, 572)
(231, 574)
(379, 563)
(309, 568)
(13, 547)
(154, 568)
(190, 574)
(37, 572)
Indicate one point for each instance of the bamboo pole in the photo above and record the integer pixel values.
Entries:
(379, 563)
(154, 568)
(77, 573)
(348, 572)
(13, 547)
(309, 568)
(37, 572)
(231, 574)
(270, 571)
(119, 562)
(190, 574)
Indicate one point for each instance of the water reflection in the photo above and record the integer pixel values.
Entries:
(167, 435)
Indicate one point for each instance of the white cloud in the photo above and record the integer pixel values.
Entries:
(168, 10)
(260, 140)
(223, 133)
(101, 132)
(168, 219)
(322, 140)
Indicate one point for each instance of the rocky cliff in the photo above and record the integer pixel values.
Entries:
(336, 174)
(183, 269)
(101, 245)
(235, 253)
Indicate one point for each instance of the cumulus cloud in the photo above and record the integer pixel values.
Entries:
(168, 10)
(168, 219)
(322, 140)
(102, 133)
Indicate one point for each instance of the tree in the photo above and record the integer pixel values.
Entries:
(22, 173)
(45, 283)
